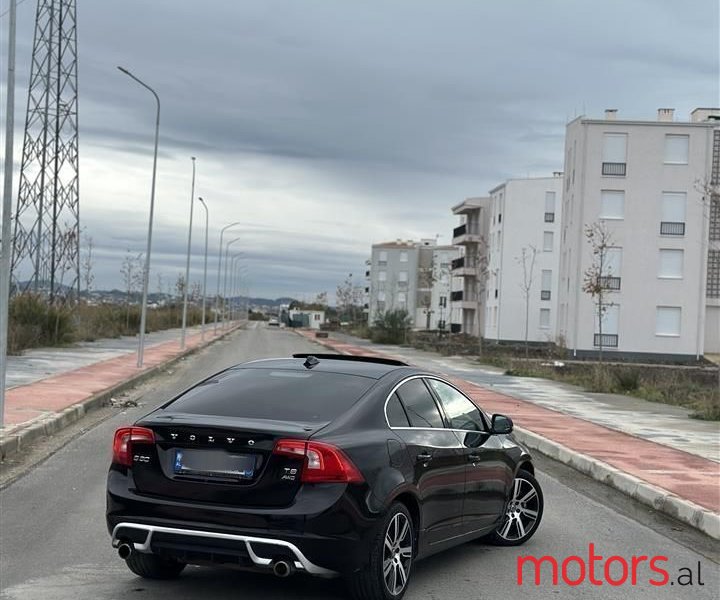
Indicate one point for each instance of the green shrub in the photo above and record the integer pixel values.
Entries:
(627, 380)
(33, 322)
(391, 327)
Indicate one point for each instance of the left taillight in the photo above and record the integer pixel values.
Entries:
(323, 463)
(124, 438)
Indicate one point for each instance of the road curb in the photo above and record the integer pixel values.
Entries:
(55, 422)
(656, 498)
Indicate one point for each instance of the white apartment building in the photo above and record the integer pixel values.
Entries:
(520, 217)
(414, 276)
(642, 181)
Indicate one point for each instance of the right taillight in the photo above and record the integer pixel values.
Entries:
(324, 463)
(124, 438)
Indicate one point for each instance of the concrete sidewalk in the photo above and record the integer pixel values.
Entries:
(54, 399)
(671, 480)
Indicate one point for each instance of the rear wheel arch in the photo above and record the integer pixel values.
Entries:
(526, 465)
(410, 501)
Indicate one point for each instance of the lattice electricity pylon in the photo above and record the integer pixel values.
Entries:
(46, 241)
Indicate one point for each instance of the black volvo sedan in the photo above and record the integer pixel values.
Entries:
(323, 464)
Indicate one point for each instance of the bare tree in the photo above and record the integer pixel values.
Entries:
(527, 257)
(595, 281)
(131, 272)
(87, 264)
(427, 277)
(345, 300)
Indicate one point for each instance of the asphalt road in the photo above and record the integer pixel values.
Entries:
(54, 545)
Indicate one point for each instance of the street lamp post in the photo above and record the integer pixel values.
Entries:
(231, 288)
(225, 277)
(237, 267)
(187, 260)
(204, 288)
(220, 253)
(146, 274)
(7, 241)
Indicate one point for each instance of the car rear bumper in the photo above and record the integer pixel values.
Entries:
(327, 530)
(182, 542)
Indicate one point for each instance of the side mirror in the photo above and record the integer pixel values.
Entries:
(500, 424)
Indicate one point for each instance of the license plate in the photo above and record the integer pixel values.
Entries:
(214, 463)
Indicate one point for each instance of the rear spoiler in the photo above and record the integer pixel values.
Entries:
(353, 358)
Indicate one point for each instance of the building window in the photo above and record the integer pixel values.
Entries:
(549, 207)
(316, 317)
(612, 204)
(671, 264)
(676, 149)
(614, 154)
(403, 256)
(713, 274)
(380, 305)
(610, 321)
(544, 318)
(672, 218)
(382, 257)
(443, 302)
(499, 218)
(667, 320)
(610, 278)
(401, 298)
(545, 284)
(382, 275)
(548, 241)
(381, 296)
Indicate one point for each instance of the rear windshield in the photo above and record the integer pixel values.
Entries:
(283, 395)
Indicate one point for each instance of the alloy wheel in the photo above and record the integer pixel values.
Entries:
(397, 554)
(522, 511)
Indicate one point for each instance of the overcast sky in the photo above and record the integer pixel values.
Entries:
(326, 125)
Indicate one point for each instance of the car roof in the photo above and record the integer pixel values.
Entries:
(328, 364)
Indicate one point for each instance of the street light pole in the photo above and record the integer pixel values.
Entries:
(187, 260)
(225, 278)
(7, 207)
(204, 288)
(234, 281)
(146, 274)
(220, 253)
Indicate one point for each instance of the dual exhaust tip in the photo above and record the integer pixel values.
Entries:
(280, 568)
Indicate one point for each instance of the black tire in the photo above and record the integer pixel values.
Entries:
(151, 566)
(370, 583)
(521, 506)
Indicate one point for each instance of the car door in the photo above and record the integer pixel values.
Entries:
(489, 471)
(438, 460)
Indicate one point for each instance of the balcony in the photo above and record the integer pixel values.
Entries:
(606, 340)
(549, 217)
(610, 283)
(672, 228)
(456, 296)
(614, 169)
(457, 263)
(465, 234)
(545, 294)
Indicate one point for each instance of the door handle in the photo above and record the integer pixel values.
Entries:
(424, 457)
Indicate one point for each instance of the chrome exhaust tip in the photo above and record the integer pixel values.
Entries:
(124, 551)
(282, 568)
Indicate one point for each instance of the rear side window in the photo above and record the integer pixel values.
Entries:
(419, 404)
(284, 395)
(396, 413)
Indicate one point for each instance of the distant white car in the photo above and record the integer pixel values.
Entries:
(273, 323)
